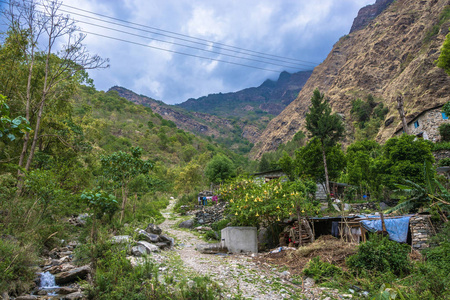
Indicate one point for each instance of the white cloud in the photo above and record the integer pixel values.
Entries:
(303, 30)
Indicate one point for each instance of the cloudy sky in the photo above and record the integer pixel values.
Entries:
(298, 33)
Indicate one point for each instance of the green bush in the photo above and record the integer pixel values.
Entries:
(219, 225)
(381, 254)
(320, 270)
(444, 131)
(441, 146)
(16, 274)
(116, 278)
(432, 280)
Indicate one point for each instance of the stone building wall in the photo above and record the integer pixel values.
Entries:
(429, 122)
(421, 230)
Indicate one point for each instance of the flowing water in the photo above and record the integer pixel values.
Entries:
(48, 283)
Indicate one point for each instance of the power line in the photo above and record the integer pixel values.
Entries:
(177, 52)
(183, 35)
(173, 43)
(177, 44)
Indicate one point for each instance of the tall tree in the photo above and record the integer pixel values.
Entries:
(122, 167)
(323, 125)
(38, 27)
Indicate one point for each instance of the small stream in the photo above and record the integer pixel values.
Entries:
(48, 284)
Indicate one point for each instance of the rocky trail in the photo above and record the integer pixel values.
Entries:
(240, 276)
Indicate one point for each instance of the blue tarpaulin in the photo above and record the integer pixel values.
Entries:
(396, 227)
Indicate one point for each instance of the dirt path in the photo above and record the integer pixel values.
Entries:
(237, 274)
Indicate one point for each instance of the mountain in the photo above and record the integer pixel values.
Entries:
(393, 55)
(270, 97)
(230, 132)
(368, 13)
(233, 119)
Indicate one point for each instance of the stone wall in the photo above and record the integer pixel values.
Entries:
(440, 154)
(210, 214)
(421, 230)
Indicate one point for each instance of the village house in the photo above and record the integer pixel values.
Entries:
(426, 124)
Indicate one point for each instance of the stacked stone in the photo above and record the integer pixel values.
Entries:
(363, 206)
(210, 214)
(420, 231)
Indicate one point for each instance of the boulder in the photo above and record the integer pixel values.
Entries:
(152, 228)
(203, 228)
(168, 239)
(65, 290)
(187, 224)
(149, 237)
(75, 295)
(72, 275)
(143, 248)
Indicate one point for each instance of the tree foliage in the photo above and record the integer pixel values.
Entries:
(11, 129)
(403, 158)
(219, 169)
(323, 125)
(121, 167)
(309, 161)
(252, 202)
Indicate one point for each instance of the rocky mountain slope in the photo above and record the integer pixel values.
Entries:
(225, 130)
(393, 55)
(368, 13)
(235, 119)
(271, 97)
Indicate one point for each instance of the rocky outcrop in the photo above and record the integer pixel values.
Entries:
(392, 55)
(368, 13)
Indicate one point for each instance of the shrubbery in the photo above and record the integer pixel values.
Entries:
(320, 270)
(382, 255)
(444, 131)
(16, 274)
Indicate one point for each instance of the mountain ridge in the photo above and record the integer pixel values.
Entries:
(272, 96)
(394, 54)
(239, 128)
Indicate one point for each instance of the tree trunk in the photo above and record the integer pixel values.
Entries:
(402, 114)
(27, 135)
(327, 182)
(124, 201)
(36, 135)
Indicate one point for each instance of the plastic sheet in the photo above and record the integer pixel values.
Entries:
(396, 227)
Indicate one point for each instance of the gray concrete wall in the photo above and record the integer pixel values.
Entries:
(240, 239)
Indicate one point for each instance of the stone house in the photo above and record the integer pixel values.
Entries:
(426, 123)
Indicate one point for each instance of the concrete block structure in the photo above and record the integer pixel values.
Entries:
(240, 239)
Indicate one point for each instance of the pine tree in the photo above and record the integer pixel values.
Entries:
(323, 125)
